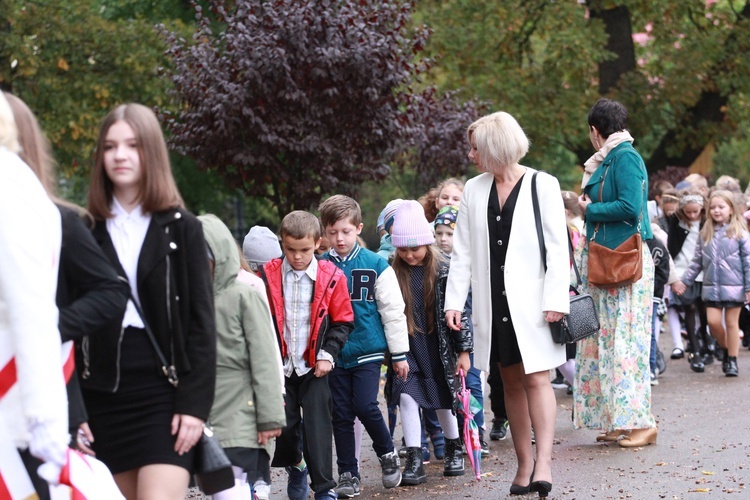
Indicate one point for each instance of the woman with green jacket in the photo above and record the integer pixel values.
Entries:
(612, 390)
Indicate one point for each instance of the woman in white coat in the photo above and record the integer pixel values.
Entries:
(496, 253)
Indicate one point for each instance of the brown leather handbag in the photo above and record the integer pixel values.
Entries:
(622, 266)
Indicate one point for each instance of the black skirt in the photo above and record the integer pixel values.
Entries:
(132, 427)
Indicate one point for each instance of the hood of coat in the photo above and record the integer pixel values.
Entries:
(224, 249)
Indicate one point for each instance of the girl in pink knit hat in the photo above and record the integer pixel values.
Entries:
(435, 353)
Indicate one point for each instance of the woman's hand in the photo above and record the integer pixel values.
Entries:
(84, 438)
(264, 436)
(453, 318)
(678, 287)
(553, 316)
(583, 202)
(464, 363)
(401, 368)
(188, 430)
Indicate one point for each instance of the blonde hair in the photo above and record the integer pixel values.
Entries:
(499, 141)
(736, 226)
(431, 265)
(158, 189)
(8, 129)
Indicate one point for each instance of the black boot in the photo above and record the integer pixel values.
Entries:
(732, 370)
(724, 360)
(454, 459)
(414, 469)
(696, 364)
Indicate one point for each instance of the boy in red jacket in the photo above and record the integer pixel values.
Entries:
(313, 316)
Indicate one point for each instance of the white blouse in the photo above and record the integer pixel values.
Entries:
(127, 231)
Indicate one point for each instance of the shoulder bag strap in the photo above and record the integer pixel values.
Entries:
(538, 220)
(169, 370)
(540, 232)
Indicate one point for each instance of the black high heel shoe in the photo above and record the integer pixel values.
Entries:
(523, 490)
(542, 487)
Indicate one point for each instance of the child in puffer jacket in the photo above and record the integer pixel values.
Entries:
(723, 254)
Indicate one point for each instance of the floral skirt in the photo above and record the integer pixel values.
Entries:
(612, 382)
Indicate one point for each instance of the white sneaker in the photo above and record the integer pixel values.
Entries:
(262, 490)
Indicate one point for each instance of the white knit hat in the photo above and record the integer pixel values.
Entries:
(410, 227)
(260, 246)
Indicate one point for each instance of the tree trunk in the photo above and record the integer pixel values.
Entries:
(619, 42)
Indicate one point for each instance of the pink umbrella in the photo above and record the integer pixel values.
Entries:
(468, 406)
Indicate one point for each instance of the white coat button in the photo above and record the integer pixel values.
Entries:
(173, 245)
(178, 215)
(249, 403)
(498, 218)
(505, 319)
(500, 242)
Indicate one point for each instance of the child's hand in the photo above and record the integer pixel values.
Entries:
(747, 297)
(453, 319)
(264, 436)
(464, 363)
(322, 367)
(401, 368)
(678, 287)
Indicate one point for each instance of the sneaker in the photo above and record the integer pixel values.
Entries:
(402, 451)
(425, 455)
(661, 363)
(390, 467)
(485, 447)
(348, 486)
(499, 429)
(569, 390)
(296, 486)
(262, 490)
(439, 451)
(654, 380)
(326, 495)
(558, 382)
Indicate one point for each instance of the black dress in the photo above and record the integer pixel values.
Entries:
(504, 344)
(426, 380)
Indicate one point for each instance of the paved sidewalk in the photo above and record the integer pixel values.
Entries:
(703, 450)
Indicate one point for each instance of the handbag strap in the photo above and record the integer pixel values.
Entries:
(601, 187)
(167, 369)
(540, 231)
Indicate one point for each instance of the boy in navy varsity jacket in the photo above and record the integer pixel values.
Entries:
(379, 325)
(313, 316)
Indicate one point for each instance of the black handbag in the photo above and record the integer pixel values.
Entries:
(213, 470)
(583, 320)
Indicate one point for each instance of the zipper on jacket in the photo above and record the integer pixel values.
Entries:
(117, 363)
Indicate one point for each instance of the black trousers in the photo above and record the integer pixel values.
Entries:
(311, 395)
